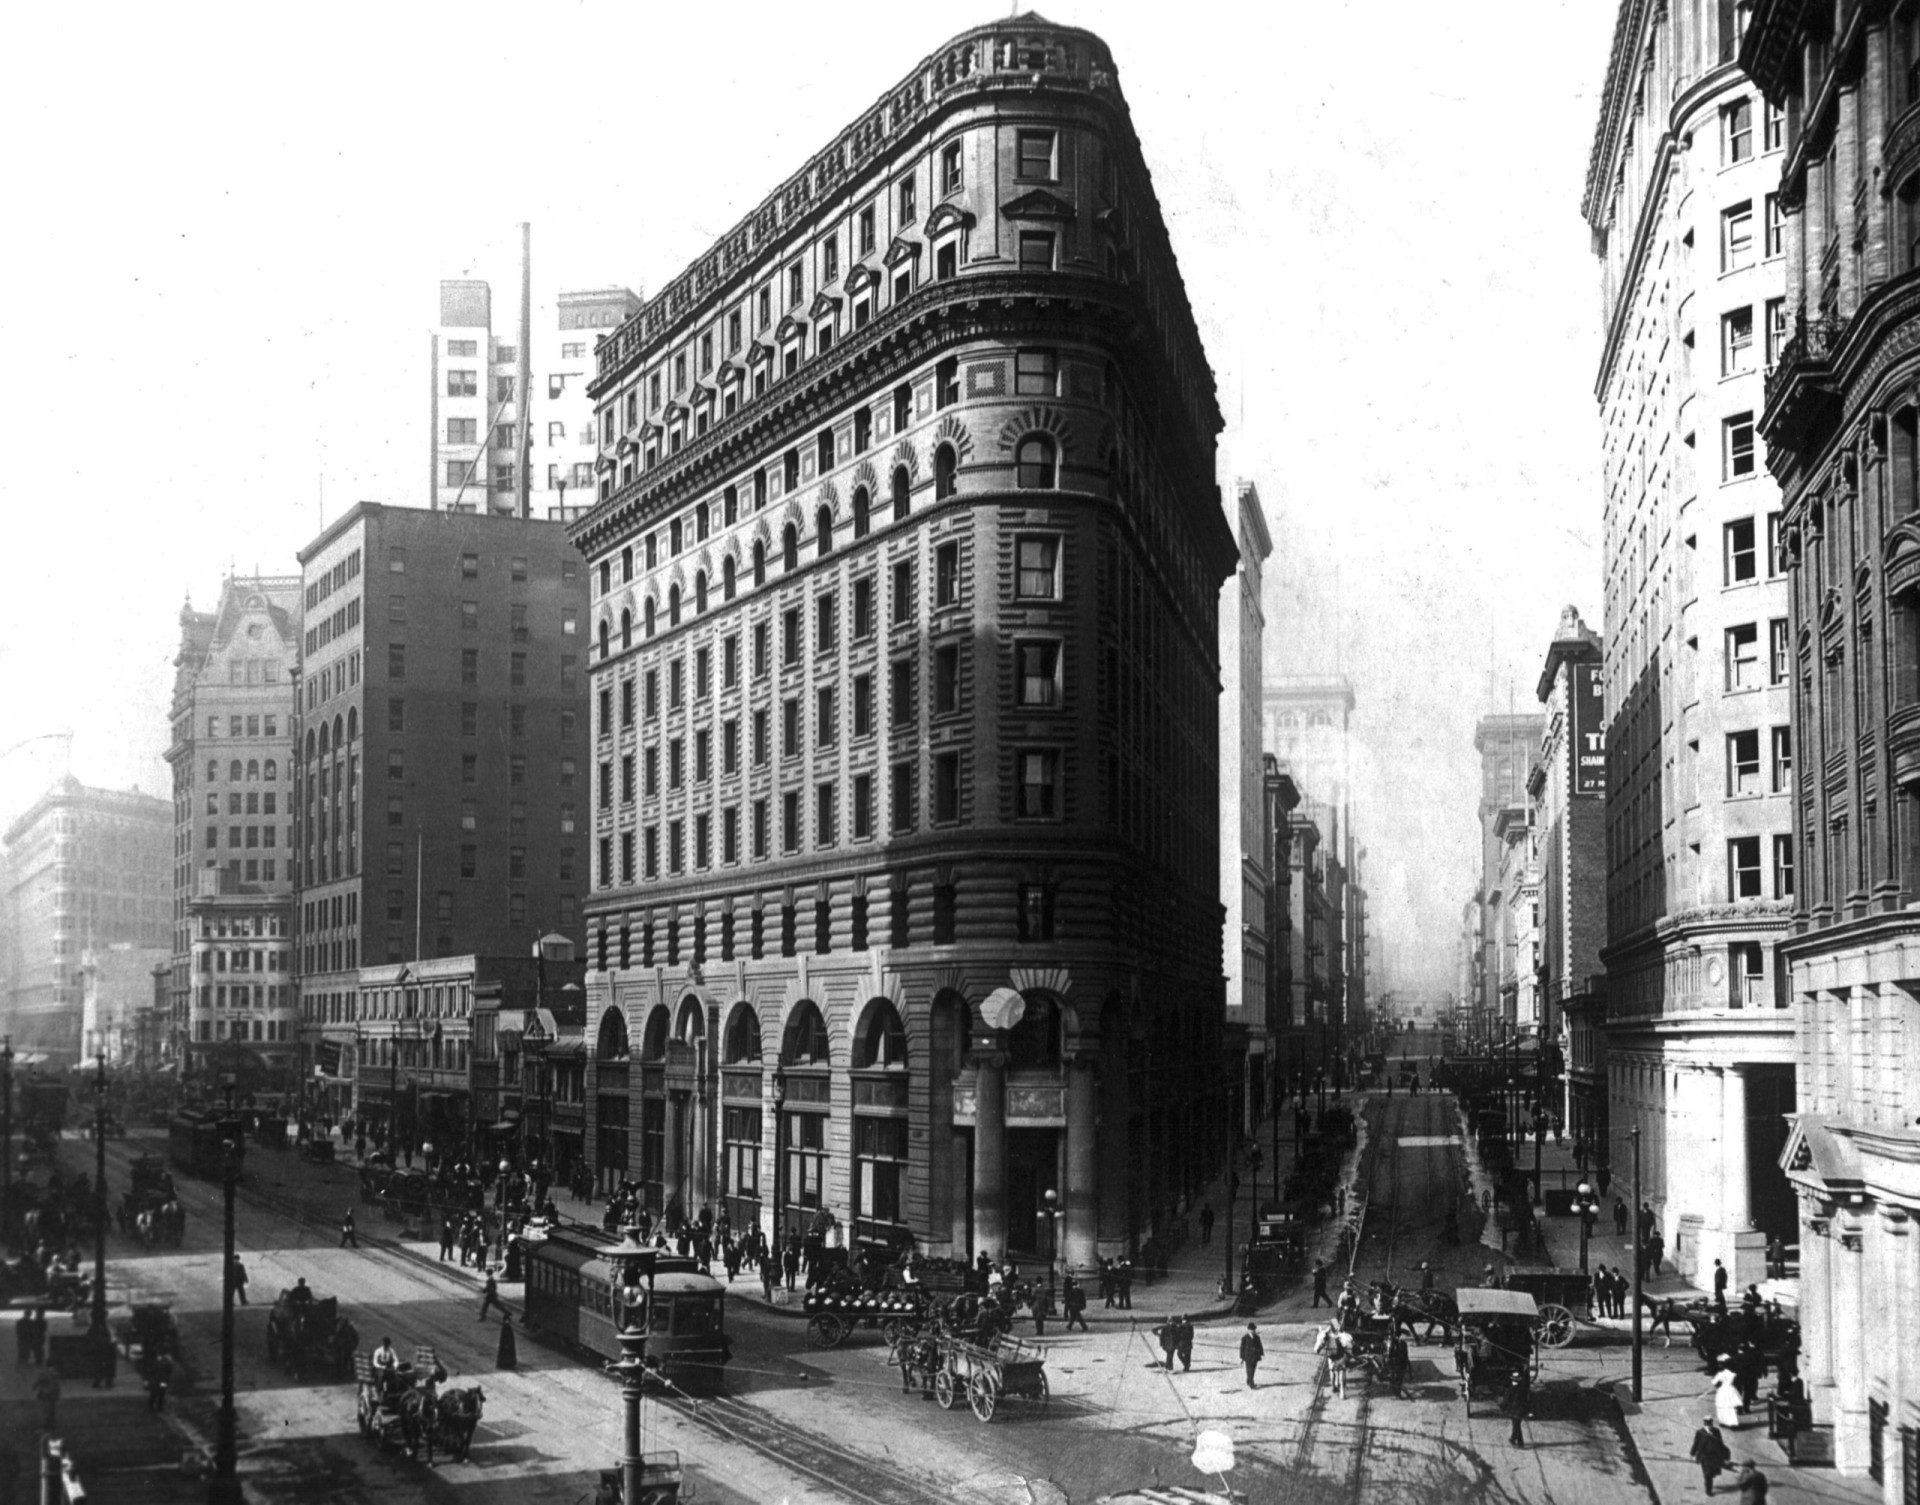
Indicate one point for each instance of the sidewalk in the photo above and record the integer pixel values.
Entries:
(123, 1453)
(1675, 1386)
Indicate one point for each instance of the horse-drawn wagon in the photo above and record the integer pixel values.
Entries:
(985, 1375)
(404, 1405)
(833, 1313)
(308, 1337)
(1565, 1297)
(1496, 1340)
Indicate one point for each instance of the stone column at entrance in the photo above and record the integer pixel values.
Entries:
(1849, 1346)
(1079, 1245)
(990, 1153)
(1746, 1252)
(670, 1167)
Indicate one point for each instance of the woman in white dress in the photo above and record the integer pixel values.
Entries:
(1726, 1393)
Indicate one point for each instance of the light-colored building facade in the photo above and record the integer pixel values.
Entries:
(1840, 423)
(1507, 746)
(491, 411)
(907, 874)
(1244, 873)
(86, 869)
(1687, 225)
(231, 752)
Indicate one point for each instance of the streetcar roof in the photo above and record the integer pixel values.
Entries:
(1477, 1301)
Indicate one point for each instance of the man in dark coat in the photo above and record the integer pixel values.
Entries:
(1519, 1397)
(1073, 1298)
(1711, 1452)
(1720, 1288)
(1320, 1283)
(1252, 1351)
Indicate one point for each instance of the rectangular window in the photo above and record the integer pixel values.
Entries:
(826, 623)
(1736, 447)
(1782, 750)
(651, 692)
(901, 797)
(1778, 656)
(902, 591)
(396, 715)
(1736, 131)
(1743, 868)
(760, 832)
(1036, 251)
(903, 712)
(826, 824)
(469, 666)
(1741, 557)
(863, 608)
(702, 672)
(1039, 775)
(1776, 228)
(790, 727)
(790, 821)
(908, 212)
(1736, 342)
(760, 748)
(796, 285)
(1774, 128)
(1036, 155)
(1783, 867)
(862, 805)
(730, 834)
(730, 746)
(790, 636)
(1743, 762)
(396, 661)
(676, 763)
(863, 705)
(946, 680)
(826, 723)
(1035, 915)
(702, 755)
(676, 846)
(952, 176)
(1736, 237)
(946, 787)
(1037, 560)
(730, 661)
(1036, 373)
(761, 649)
(1776, 330)
(1743, 657)
(946, 904)
(946, 575)
(946, 382)
(1038, 678)
(676, 684)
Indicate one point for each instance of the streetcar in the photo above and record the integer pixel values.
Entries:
(196, 1142)
(573, 1297)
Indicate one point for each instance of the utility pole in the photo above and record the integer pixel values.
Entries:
(1639, 1262)
(100, 1335)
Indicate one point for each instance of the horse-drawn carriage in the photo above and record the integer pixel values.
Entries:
(835, 1311)
(306, 1337)
(148, 1332)
(939, 1362)
(1496, 1340)
(404, 1405)
(1277, 1250)
(1564, 1297)
(152, 1215)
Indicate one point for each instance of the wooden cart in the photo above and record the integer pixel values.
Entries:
(984, 1375)
(1496, 1338)
(1564, 1297)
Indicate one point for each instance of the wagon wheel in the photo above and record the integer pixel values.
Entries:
(1555, 1327)
(826, 1330)
(891, 1330)
(943, 1389)
(981, 1394)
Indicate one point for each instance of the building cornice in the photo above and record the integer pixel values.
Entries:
(1616, 100)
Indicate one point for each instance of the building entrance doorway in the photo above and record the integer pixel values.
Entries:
(1033, 1168)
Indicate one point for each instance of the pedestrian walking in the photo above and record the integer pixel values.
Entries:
(1656, 1253)
(240, 1279)
(1720, 1288)
(1320, 1283)
(1519, 1397)
(490, 1298)
(1426, 1278)
(46, 1390)
(1074, 1299)
(1752, 1485)
(1711, 1452)
(159, 1375)
(790, 1259)
(1206, 1224)
(1252, 1351)
(1123, 1284)
(448, 1235)
(348, 1238)
(769, 1277)
(1183, 1342)
(1726, 1393)
(1776, 1259)
(1106, 1282)
(1619, 1218)
(1168, 1334)
(1399, 1361)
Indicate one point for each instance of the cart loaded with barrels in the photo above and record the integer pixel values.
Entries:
(834, 1312)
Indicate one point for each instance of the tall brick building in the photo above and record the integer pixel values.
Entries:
(443, 763)
(1700, 761)
(905, 579)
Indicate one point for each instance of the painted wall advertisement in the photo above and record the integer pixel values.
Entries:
(1589, 739)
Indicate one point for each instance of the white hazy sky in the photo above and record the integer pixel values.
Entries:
(228, 226)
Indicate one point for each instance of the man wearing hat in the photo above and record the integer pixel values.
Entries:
(1491, 1279)
(1426, 1278)
(1252, 1351)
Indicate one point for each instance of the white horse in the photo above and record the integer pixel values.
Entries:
(1337, 1348)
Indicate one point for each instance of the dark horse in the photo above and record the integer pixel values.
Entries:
(448, 1421)
(1434, 1309)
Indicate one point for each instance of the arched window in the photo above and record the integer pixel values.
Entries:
(673, 605)
(324, 742)
(612, 1044)
(806, 1039)
(650, 613)
(790, 547)
(253, 768)
(759, 561)
(626, 624)
(901, 486)
(213, 768)
(883, 1038)
(1035, 1041)
(233, 771)
(268, 768)
(823, 532)
(943, 468)
(338, 741)
(700, 592)
(626, 565)
(1035, 459)
(861, 507)
(743, 1038)
(728, 577)
(309, 747)
(653, 1045)
(606, 633)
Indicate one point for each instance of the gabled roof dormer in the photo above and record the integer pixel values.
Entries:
(790, 329)
(902, 250)
(825, 306)
(860, 279)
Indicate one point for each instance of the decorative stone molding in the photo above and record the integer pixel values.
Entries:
(951, 430)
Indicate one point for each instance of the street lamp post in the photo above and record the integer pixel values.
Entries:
(225, 1486)
(6, 1140)
(1051, 1212)
(1253, 1212)
(100, 1200)
(1638, 1262)
(1583, 1207)
(632, 1259)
